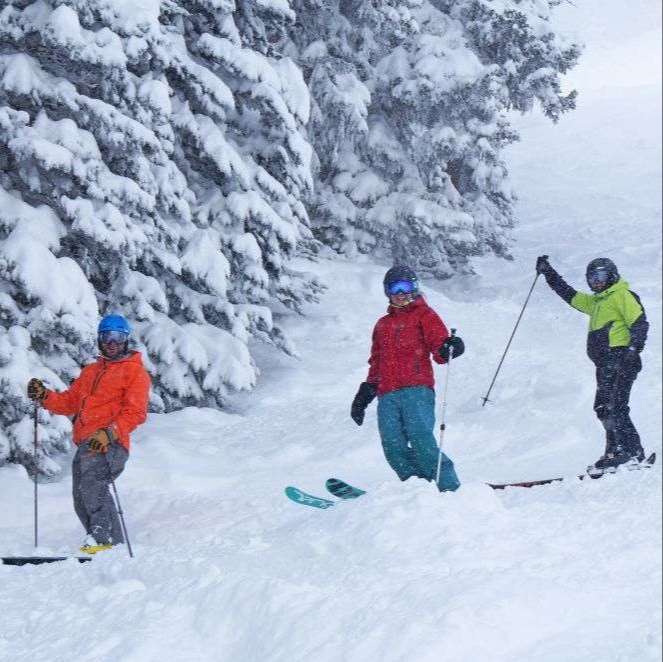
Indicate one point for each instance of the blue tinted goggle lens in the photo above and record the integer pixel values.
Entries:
(401, 287)
(112, 336)
(598, 277)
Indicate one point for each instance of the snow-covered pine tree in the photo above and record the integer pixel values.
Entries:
(322, 44)
(153, 161)
(409, 120)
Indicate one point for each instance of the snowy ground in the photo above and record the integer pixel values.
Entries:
(227, 569)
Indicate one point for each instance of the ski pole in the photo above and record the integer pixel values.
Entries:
(513, 333)
(122, 522)
(120, 512)
(444, 411)
(36, 495)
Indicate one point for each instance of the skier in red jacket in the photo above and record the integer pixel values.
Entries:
(401, 376)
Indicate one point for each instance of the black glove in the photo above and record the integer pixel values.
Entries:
(364, 397)
(36, 390)
(631, 362)
(542, 264)
(455, 342)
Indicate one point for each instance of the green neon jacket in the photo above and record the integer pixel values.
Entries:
(617, 317)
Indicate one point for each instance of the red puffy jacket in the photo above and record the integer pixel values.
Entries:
(107, 394)
(403, 341)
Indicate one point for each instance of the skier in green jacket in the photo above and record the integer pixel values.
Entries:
(617, 334)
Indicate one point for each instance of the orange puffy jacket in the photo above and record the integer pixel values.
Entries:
(107, 394)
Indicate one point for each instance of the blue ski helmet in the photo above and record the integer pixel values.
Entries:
(114, 323)
(400, 273)
(113, 329)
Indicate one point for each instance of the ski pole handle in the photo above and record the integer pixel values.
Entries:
(451, 354)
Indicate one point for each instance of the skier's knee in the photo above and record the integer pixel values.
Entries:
(606, 415)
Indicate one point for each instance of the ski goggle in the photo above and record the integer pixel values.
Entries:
(401, 287)
(113, 336)
(598, 278)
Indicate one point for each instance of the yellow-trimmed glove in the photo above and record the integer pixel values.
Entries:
(36, 389)
(101, 440)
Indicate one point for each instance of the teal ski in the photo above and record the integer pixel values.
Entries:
(343, 490)
(305, 499)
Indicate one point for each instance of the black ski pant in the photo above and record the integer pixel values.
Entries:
(92, 474)
(611, 404)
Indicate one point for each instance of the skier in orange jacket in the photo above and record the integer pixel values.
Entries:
(108, 401)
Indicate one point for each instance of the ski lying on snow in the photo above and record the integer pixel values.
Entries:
(306, 499)
(338, 488)
(342, 490)
(646, 464)
(38, 560)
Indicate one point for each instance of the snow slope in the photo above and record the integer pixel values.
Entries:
(227, 569)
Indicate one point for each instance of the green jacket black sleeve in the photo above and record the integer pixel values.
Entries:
(559, 285)
(617, 316)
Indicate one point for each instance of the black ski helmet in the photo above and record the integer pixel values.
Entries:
(601, 274)
(400, 272)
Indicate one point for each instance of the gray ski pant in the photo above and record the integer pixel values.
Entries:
(91, 478)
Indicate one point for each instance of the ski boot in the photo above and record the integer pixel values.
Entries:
(91, 546)
(611, 461)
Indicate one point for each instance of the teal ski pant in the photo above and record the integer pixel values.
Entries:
(406, 419)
